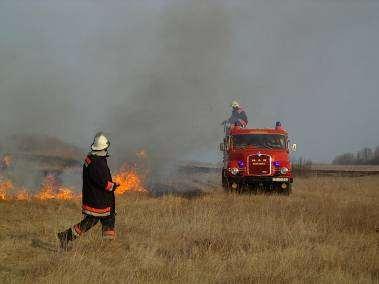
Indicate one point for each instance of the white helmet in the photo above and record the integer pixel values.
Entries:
(235, 104)
(100, 142)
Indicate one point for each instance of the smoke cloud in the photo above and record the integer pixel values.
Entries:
(181, 98)
(157, 84)
(160, 74)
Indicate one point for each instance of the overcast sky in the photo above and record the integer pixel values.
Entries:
(164, 72)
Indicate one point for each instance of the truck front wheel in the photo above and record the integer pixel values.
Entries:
(231, 185)
(225, 182)
(226, 185)
(285, 189)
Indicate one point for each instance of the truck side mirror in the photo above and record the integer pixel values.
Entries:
(222, 147)
(294, 147)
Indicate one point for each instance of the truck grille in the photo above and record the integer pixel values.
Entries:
(259, 165)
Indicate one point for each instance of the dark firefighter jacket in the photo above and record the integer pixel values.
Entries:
(238, 118)
(98, 188)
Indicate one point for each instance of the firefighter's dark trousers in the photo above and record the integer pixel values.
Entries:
(107, 223)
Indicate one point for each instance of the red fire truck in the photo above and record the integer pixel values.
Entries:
(257, 159)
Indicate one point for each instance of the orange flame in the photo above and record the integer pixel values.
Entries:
(51, 190)
(66, 193)
(47, 189)
(129, 180)
(5, 186)
(22, 195)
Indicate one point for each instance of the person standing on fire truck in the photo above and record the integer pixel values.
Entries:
(238, 117)
(98, 200)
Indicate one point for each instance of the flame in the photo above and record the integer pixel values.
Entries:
(129, 177)
(47, 189)
(65, 193)
(5, 186)
(22, 195)
(51, 190)
(129, 180)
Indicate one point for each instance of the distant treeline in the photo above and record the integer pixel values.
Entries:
(366, 156)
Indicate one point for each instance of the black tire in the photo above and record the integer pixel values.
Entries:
(225, 183)
(288, 190)
(227, 188)
(240, 188)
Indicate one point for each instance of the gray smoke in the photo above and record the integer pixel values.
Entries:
(157, 83)
(160, 74)
(182, 92)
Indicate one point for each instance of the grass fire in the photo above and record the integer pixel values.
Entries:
(189, 141)
(128, 177)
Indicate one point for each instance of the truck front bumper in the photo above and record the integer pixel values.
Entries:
(259, 179)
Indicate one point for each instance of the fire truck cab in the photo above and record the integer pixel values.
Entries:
(257, 159)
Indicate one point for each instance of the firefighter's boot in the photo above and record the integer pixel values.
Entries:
(109, 234)
(64, 238)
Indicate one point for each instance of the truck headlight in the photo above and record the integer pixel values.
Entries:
(233, 171)
(283, 170)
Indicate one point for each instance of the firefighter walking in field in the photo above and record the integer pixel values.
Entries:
(98, 200)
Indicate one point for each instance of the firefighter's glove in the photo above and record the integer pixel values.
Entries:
(115, 186)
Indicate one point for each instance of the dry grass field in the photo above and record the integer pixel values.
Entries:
(326, 231)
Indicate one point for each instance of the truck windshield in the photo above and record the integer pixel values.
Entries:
(267, 141)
